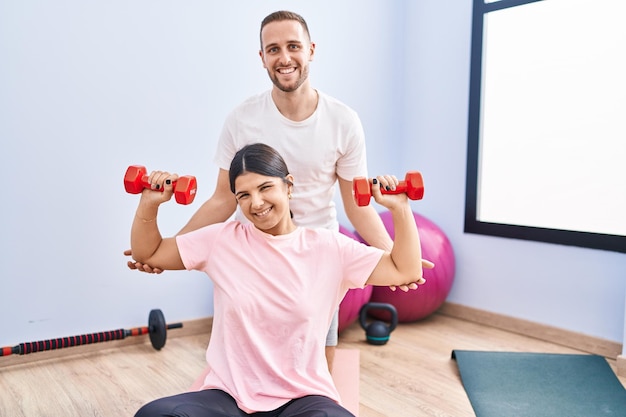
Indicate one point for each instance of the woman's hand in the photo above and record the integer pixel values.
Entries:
(388, 183)
(161, 187)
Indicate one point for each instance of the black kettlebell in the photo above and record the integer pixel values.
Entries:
(377, 332)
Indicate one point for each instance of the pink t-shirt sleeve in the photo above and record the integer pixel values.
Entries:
(195, 247)
(359, 261)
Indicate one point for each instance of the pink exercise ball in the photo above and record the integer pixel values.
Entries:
(418, 304)
(354, 298)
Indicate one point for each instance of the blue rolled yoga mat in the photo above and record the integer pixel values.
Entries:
(513, 384)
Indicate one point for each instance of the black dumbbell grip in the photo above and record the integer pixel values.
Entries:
(83, 339)
(63, 342)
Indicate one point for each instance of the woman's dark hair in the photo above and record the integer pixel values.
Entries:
(260, 159)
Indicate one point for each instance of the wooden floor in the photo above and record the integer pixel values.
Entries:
(411, 376)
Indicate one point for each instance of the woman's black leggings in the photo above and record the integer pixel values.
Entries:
(217, 403)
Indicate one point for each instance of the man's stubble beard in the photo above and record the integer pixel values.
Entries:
(303, 77)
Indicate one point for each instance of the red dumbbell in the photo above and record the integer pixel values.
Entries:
(136, 179)
(413, 186)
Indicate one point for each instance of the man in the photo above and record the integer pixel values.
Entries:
(321, 139)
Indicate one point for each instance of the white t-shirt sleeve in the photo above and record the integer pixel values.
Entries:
(226, 146)
(353, 161)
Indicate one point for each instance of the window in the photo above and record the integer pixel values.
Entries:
(547, 122)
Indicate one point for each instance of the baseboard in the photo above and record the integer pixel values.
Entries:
(578, 341)
(190, 328)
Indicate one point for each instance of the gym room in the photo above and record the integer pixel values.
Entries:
(534, 232)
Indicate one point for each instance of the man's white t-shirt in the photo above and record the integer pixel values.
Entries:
(328, 144)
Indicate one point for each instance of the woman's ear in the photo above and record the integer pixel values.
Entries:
(289, 182)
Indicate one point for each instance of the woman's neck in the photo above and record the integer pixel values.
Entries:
(283, 228)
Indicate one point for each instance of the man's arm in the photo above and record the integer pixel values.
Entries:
(365, 220)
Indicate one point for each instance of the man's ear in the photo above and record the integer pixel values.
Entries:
(311, 51)
(262, 58)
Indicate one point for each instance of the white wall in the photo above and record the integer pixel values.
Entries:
(87, 89)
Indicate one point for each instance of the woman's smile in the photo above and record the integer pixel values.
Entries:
(263, 213)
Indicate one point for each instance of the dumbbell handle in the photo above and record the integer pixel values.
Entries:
(401, 187)
(167, 327)
(146, 184)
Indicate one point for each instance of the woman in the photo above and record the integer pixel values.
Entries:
(276, 288)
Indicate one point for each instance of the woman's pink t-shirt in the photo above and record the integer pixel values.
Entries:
(274, 300)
